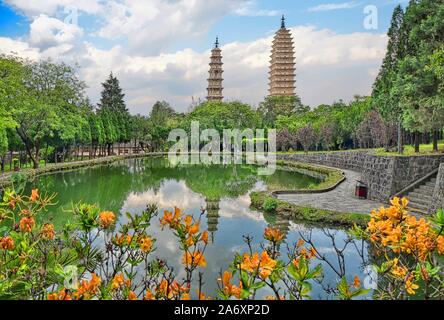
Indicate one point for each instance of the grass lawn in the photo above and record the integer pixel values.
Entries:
(24, 166)
(410, 150)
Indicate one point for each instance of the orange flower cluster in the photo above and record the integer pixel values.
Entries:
(146, 244)
(119, 282)
(273, 235)
(48, 232)
(168, 291)
(306, 254)
(194, 259)
(394, 228)
(26, 224)
(228, 288)
(122, 240)
(189, 231)
(106, 219)
(88, 289)
(61, 295)
(171, 219)
(397, 270)
(264, 265)
(6, 243)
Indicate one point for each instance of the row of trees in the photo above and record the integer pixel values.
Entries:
(44, 111)
(408, 91)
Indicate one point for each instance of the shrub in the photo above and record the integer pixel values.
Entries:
(94, 258)
(270, 204)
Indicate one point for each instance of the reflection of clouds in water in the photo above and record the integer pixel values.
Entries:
(234, 208)
(298, 227)
(170, 194)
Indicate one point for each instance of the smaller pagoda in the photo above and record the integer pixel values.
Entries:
(215, 79)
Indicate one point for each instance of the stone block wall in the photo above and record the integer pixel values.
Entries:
(384, 175)
(438, 194)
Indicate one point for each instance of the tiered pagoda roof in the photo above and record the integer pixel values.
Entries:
(282, 64)
(215, 79)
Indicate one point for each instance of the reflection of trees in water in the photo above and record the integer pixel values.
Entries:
(338, 261)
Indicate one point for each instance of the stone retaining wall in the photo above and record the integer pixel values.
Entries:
(384, 175)
(438, 194)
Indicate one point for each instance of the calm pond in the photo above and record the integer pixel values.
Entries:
(128, 186)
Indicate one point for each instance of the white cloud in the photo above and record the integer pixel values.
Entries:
(53, 35)
(333, 6)
(32, 8)
(21, 48)
(151, 29)
(250, 8)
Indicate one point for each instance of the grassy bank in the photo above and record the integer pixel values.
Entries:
(264, 202)
(7, 179)
(332, 177)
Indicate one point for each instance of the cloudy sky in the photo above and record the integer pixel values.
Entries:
(159, 49)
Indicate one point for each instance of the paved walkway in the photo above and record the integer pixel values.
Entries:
(341, 199)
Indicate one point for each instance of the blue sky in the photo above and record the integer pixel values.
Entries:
(159, 48)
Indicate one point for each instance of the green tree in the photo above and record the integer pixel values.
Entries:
(274, 106)
(383, 98)
(115, 116)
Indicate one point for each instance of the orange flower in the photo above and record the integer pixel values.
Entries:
(146, 243)
(149, 295)
(190, 241)
(264, 265)
(118, 281)
(410, 286)
(186, 296)
(34, 195)
(169, 290)
(26, 224)
(228, 288)
(171, 219)
(88, 289)
(356, 282)
(312, 253)
(122, 239)
(48, 232)
(61, 295)
(273, 235)
(7, 243)
(132, 296)
(204, 237)
(188, 220)
(194, 229)
(440, 244)
(107, 218)
(194, 259)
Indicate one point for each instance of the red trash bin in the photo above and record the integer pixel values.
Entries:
(361, 190)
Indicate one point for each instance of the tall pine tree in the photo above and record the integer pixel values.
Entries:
(115, 116)
(383, 99)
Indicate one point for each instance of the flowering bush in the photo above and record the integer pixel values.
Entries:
(409, 250)
(96, 258)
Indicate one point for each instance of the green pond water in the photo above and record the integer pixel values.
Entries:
(128, 186)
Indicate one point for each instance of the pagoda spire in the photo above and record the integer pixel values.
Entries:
(282, 66)
(215, 74)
